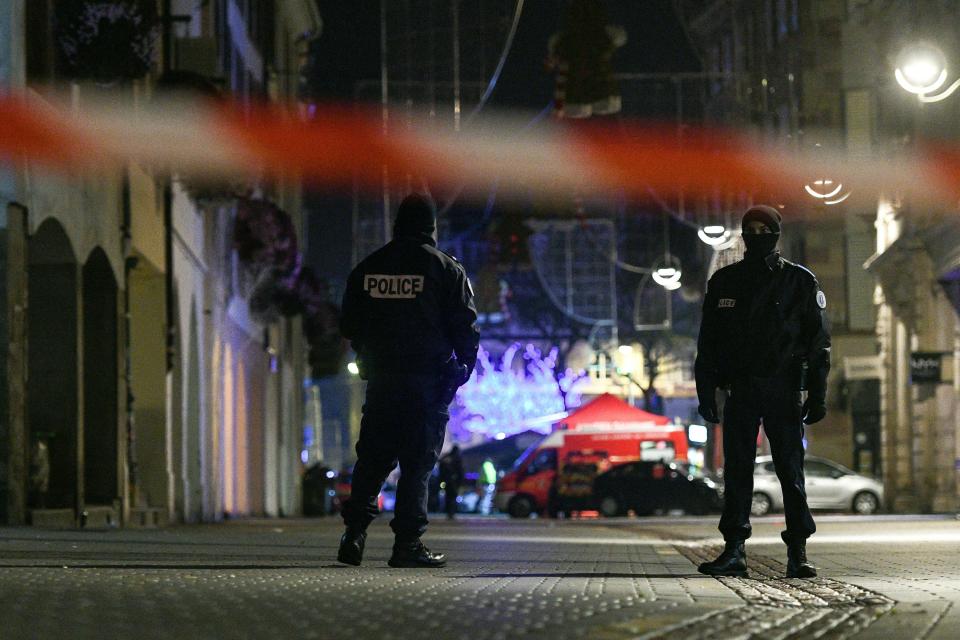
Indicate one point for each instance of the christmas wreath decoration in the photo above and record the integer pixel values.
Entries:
(264, 236)
(107, 42)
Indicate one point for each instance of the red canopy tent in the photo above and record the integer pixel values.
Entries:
(610, 411)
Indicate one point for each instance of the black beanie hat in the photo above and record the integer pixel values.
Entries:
(765, 214)
(417, 215)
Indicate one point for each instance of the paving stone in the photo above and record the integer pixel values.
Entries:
(277, 579)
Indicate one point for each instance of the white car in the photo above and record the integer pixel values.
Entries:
(829, 486)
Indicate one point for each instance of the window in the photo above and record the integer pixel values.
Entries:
(818, 469)
(545, 460)
(640, 470)
(40, 45)
(621, 471)
(657, 450)
(781, 19)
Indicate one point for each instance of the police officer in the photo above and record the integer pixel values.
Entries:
(408, 310)
(763, 338)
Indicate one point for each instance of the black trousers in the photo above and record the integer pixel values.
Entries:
(777, 404)
(404, 420)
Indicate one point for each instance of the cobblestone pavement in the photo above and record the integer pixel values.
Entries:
(608, 579)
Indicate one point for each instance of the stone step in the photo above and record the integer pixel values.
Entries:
(53, 518)
(147, 518)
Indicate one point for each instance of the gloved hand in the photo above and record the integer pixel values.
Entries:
(708, 409)
(814, 410)
(456, 376)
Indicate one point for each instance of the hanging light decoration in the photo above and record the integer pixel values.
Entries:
(827, 191)
(716, 235)
(667, 274)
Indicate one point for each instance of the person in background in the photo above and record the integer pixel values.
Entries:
(451, 476)
(488, 482)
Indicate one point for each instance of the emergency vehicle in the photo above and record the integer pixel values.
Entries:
(605, 432)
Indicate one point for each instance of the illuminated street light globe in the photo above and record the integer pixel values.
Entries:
(921, 69)
(827, 191)
(667, 277)
(714, 235)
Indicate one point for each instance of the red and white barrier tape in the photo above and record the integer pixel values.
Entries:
(344, 143)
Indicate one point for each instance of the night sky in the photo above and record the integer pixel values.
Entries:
(656, 42)
(350, 51)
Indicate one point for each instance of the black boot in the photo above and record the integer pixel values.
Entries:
(797, 564)
(414, 555)
(732, 562)
(351, 546)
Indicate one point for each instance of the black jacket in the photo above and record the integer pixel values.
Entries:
(408, 307)
(763, 318)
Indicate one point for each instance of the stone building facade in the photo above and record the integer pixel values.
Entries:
(137, 388)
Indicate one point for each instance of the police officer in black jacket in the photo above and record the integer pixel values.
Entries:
(408, 310)
(763, 339)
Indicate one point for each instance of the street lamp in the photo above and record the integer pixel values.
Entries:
(922, 70)
(827, 191)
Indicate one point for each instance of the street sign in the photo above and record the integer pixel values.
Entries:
(925, 367)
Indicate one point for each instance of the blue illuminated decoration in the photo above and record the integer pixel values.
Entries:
(507, 396)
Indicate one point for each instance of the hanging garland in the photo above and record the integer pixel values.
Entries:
(327, 347)
(107, 42)
(581, 54)
(264, 236)
(266, 242)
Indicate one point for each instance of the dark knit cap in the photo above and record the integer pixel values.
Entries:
(765, 214)
(417, 215)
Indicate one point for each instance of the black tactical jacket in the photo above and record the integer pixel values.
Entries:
(408, 307)
(763, 318)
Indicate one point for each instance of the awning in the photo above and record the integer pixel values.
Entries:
(943, 244)
(609, 411)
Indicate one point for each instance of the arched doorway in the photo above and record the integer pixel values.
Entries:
(53, 397)
(100, 372)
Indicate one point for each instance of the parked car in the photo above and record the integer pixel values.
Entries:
(829, 486)
(341, 491)
(646, 487)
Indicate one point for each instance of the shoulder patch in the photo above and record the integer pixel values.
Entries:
(821, 300)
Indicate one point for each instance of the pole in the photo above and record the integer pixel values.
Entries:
(385, 113)
(129, 262)
(456, 65)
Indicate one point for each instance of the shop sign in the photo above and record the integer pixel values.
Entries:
(925, 367)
